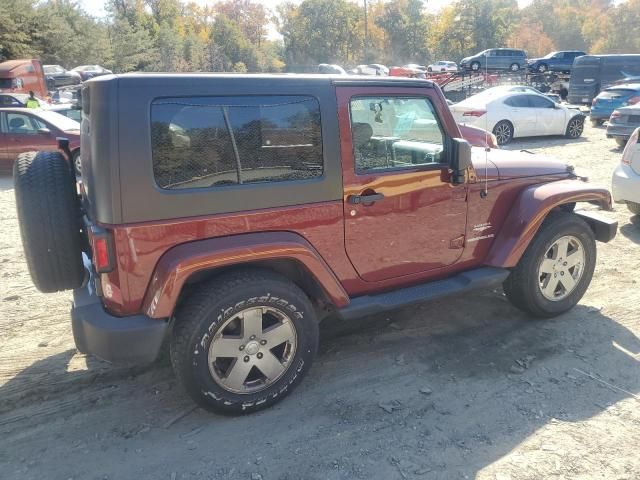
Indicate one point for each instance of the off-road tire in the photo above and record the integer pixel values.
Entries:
(521, 286)
(621, 142)
(634, 207)
(501, 124)
(49, 214)
(208, 307)
(575, 127)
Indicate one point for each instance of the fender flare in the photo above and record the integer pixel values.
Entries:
(529, 211)
(182, 261)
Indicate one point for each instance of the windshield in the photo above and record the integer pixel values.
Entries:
(59, 121)
(550, 55)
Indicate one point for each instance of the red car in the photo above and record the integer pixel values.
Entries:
(24, 130)
(227, 215)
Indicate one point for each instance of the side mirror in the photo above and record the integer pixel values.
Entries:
(460, 160)
(44, 131)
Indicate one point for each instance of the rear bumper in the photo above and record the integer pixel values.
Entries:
(131, 340)
(620, 131)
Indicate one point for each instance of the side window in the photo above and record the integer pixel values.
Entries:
(395, 132)
(536, 101)
(205, 142)
(518, 101)
(18, 123)
(8, 101)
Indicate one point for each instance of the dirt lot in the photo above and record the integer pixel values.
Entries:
(457, 389)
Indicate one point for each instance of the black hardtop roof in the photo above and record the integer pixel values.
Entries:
(275, 79)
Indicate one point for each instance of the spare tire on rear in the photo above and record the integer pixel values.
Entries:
(49, 215)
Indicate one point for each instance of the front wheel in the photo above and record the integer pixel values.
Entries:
(243, 341)
(514, 67)
(556, 269)
(503, 132)
(542, 68)
(475, 66)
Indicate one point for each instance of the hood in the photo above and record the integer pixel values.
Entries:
(465, 59)
(505, 164)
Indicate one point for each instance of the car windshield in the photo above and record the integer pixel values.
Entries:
(550, 55)
(58, 121)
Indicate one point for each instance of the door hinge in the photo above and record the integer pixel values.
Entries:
(457, 242)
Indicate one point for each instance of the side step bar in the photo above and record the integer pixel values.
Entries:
(473, 279)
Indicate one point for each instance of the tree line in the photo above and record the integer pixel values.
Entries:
(233, 35)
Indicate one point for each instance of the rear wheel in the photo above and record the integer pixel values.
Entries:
(503, 132)
(243, 341)
(514, 67)
(49, 214)
(575, 127)
(475, 66)
(556, 269)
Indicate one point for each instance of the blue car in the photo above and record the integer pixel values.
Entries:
(554, 61)
(611, 98)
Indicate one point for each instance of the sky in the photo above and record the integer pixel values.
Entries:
(96, 7)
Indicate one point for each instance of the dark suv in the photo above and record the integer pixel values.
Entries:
(555, 61)
(231, 213)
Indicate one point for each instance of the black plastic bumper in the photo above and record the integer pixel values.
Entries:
(131, 340)
(603, 228)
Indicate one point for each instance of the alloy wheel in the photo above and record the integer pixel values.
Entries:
(503, 133)
(252, 350)
(575, 128)
(561, 268)
(542, 68)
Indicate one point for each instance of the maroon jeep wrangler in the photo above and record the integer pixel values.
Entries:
(229, 214)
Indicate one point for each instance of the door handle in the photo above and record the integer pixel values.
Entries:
(369, 198)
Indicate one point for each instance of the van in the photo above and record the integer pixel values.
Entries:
(592, 73)
(496, 59)
(22, 76)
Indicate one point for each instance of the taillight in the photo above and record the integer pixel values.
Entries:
(615, 114)
(102, 252)
(593, 102)
(633, 100)
(474, 113)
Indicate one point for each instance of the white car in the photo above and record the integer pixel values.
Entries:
(443, 66)
(518, 114)
(626, 177)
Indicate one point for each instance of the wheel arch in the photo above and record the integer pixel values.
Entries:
(285, 253)
(529, 211)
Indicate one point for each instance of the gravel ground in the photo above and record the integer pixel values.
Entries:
(446, 390)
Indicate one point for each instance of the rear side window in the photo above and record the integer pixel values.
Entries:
(202, 142)
(519, 101)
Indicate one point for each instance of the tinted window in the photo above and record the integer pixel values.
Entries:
(215, 141)
(9, 101)
(539, 102)
(519, 101)
(395, 132)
